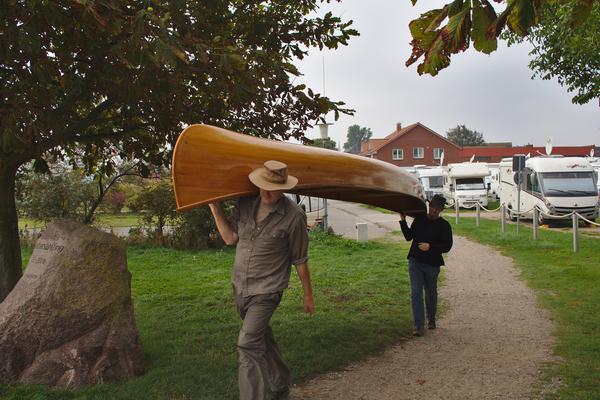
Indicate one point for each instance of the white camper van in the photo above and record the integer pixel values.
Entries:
(557, 185)
(464, 183)
(492, 181)
(432, 179)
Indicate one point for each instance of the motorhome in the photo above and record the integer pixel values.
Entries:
(557, 185)
(432, 179)
(493, 180)
(595, 163)
(464, 183)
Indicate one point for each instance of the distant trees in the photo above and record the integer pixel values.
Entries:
(326, 143)
(356, 136)
(463, 136)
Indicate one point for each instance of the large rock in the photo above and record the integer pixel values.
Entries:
(69, 320)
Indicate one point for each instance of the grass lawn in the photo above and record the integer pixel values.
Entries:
(104, 220)
(567, 285)
(189, 327)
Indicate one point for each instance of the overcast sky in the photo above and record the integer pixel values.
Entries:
(493, 94)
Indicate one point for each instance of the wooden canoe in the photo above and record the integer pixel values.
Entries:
(212, 164)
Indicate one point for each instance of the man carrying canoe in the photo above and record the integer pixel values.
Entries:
(270, 234)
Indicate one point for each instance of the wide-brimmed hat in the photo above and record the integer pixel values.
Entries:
(438, 201)
(273, 176)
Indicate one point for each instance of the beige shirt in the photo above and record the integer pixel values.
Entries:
(267, 249)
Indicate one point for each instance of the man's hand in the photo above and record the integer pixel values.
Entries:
(424, 246)
(402, 216)
(309, 305)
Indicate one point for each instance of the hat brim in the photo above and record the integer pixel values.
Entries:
(258, 181)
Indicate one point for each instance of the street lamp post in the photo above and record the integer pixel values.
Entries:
(324, 131)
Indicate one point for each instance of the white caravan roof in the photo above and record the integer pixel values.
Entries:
(468, 170)
(433, 171)
(552, 164)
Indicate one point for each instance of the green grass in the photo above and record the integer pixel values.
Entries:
(117, 220)
(382, 210)
(189, 327)
(105, 220)
(567, 285)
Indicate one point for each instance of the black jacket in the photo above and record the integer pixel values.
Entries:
(437, 233)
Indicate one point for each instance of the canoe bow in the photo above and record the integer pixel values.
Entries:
(212, 164)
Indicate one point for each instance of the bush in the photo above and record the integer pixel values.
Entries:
(196, 229)
(157, 206)
(63, 193)
(115, 201)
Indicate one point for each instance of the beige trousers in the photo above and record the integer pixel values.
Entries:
(262, 370)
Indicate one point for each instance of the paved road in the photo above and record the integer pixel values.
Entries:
(491, 343)
(344, 216)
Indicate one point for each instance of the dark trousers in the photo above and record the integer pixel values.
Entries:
(262, 368)
(423, 277)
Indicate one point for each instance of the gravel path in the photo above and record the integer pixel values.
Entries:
(491, 342)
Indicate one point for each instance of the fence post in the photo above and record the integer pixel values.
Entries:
(477, 215)
(456, 209)
(535, 222)
(362, 234)
(575, 233)
(502, 217)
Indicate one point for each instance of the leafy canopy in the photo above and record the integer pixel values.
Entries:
(439, 33)
(356, 135)
(109, 81)
(463, 136)
(111, 77)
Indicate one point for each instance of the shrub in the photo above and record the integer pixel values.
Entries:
(115, 201)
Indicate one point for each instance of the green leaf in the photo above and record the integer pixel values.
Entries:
(437, 19)
(456, 7)
(483, 18)
(457, 33)
(436, 58)
(523, 16)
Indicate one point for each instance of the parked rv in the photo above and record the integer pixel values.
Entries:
(432, 179)
(464, 183)
(493, 180)
(556, 185)
(595, 163)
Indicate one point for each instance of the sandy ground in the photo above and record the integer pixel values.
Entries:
(491, 343)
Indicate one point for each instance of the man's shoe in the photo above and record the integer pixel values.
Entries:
(418, 331)
(431, 325)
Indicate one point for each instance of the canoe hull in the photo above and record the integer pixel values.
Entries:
(212, 164)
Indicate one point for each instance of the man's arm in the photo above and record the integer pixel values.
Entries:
(406, 230)
(304, 275)
(230, 237)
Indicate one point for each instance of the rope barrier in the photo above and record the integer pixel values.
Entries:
(494, 210)
(587, 220)
(520, 212)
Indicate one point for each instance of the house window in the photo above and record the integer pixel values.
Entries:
(418, 152)
(397, 154)
(437, 153)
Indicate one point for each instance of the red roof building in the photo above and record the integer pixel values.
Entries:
(416, 144)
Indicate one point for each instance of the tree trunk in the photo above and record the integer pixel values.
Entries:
(10, 248)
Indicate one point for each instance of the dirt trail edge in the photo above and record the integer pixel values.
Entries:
(491, 343)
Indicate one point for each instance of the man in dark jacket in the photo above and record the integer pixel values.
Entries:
(431, 236)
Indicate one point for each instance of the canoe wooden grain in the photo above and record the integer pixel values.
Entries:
(212, 164)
